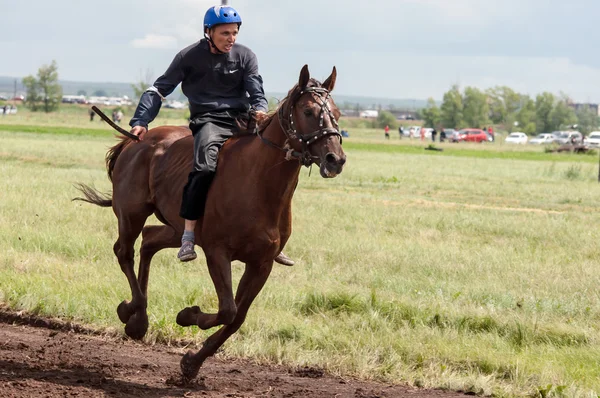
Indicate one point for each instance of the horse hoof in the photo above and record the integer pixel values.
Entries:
(137, 326)
(189, 367)
(124, 312)
(188, 316)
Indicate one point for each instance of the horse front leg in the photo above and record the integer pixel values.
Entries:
(252, 282)
(219, 267)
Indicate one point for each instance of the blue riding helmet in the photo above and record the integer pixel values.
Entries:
(219, 15)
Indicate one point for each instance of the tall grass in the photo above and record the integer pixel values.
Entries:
(460, 272)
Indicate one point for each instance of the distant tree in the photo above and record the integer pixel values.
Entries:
(100, 93)
(587, 119)
(475, 108)
(504, 105)
(431, 115)
(81, 92)
(273, 103)
(544, 105)
(138, 89)
(43, 93)
(385, 118)
(32, 99)
(526, 116)
(452, 108)
(562, 115)
(143, 83)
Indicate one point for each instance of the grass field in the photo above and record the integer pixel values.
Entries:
(475, 268)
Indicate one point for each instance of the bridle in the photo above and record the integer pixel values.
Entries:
(289, 127)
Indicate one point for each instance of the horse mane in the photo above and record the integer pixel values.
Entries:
(113, 153)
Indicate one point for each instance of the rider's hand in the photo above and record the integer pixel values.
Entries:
(260, 117)
(139, 131)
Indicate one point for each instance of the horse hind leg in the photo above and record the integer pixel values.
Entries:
(254, 278)
(132, 313)
(154, 239)
(219, 267)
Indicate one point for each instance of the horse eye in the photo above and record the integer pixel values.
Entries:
(308, 112)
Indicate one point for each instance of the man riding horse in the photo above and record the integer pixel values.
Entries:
(221, 81)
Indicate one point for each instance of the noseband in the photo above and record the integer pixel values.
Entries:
(289, 128)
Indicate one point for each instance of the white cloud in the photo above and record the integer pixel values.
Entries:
(391, 48)
(155, 41)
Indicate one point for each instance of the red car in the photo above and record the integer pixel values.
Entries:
(470, 135)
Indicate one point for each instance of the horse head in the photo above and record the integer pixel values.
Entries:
(309, 119)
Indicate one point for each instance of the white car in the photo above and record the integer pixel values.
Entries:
(593, 140)
(516, 138)
(416, 133)
(542, 139)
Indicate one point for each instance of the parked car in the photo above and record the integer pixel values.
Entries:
(449, 133)
(593, 140)
(542, 139)
(569, 137)
(416, 131)
(516, 138)
(470, 135)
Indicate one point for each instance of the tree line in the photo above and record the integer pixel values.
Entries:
(473, 107)
(43, 93)
(503, 106)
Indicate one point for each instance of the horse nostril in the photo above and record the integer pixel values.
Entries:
(342, 161)
(331, 158)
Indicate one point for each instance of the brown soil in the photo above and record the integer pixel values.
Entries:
(50, 358)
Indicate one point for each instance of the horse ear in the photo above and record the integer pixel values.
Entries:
(304, 77)
(329, 83)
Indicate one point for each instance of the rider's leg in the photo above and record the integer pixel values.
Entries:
(208, 139)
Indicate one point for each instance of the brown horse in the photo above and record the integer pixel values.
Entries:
(248, 214)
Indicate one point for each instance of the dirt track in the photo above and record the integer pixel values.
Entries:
(56, 359)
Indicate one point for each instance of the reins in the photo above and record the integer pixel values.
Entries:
(289, 129)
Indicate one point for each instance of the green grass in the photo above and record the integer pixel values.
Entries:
(57, 130)
(472, 270)
(471, 151)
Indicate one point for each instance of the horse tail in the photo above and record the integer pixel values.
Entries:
(113, 153)
(93, 196)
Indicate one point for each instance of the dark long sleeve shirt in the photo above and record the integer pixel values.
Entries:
(211, 82)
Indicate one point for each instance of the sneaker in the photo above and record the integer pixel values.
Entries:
(187, 253)
(283, 259)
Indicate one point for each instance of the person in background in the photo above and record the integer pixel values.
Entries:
(387, 131)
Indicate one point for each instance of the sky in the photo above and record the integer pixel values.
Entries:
(381, 48)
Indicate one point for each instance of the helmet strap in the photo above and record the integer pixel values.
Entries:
(211, 43)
